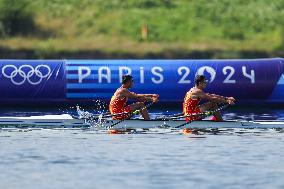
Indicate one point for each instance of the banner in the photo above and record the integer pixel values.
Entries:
(248, 80)
(77, 81)
(35, 80)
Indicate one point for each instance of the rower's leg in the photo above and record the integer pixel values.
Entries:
(143, 111)
(218, 116)
(209, 106)
(145, 114)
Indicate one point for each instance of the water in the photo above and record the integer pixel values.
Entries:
(46, 158)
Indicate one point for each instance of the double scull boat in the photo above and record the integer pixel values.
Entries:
(67, 121)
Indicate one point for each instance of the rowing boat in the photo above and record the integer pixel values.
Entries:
(66, 121)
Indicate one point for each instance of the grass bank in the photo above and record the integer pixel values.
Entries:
(149, 29)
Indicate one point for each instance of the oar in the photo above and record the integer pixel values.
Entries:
(207, 113)
(131, 114)
(111, 115)
(203, 115)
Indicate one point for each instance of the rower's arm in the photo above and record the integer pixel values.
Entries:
(144, 97)
(228, 98)
(135, 96)
(217, 96)
(141, 97)
(150, 95)
(213, 97)
(131, 95)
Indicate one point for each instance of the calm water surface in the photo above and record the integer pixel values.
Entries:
(45, 158)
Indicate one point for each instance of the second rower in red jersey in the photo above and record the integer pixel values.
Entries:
(196, 94)
(118, 103)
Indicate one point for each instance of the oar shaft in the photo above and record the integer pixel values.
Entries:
(207, 113)
(118, 114)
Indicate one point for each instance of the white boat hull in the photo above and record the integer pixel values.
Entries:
(204, 124)
(66, 121)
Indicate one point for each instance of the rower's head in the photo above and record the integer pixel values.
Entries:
(127, 81)
(200, 81)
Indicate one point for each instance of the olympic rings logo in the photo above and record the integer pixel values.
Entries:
(27, 73)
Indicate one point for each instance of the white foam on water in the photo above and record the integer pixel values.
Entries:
(56, 117)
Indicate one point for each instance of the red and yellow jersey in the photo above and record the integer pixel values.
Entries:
(190, 106)
(117, 106)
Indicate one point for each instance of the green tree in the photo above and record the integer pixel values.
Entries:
(16, 18)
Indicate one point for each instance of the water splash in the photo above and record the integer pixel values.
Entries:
(83, 114)
(95, 120)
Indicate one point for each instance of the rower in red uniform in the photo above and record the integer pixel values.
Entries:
(119, 99)
(196, 94)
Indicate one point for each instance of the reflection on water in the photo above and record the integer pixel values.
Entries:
(49, 158)
(34, 158)
(194, 133)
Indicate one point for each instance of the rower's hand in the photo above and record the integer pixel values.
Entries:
(155, 98)
(231, 100)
